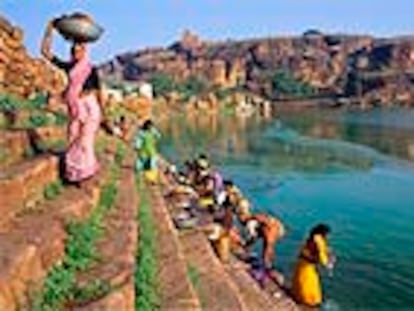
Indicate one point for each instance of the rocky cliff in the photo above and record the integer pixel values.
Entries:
(347, 65)
(20, 74)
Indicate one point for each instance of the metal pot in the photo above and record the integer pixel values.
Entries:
(78, 27)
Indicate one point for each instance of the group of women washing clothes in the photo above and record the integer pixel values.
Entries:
(236, 228)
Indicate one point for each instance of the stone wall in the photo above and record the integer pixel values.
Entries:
(20, 74)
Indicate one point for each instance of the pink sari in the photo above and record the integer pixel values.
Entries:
(84, 120)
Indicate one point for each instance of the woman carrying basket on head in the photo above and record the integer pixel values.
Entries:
(83, 98)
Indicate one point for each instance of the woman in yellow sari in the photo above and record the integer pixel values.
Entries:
(306, 285)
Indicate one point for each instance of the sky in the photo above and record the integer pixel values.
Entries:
(133, 24)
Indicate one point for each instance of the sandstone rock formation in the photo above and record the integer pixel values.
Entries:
(21, 74)
(328, 63)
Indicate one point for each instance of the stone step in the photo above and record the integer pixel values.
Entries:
(13, 146)
(176, 290)
(16, 145)
(258, 298)
(22, 185)
(116, 251)
(227, 286)
(31, 244)
(215, 288)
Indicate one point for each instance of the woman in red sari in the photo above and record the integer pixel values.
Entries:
(84, 110)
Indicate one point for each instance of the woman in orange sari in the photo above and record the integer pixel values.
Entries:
(83, 107)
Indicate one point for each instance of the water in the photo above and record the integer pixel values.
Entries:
(352, 170)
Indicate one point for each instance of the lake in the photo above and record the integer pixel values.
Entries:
(350, 169)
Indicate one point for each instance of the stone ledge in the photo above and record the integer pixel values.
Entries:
(14, 144)
(33, 243)
(22, 185)
(176, 290)
(117, 251)
(216, 289)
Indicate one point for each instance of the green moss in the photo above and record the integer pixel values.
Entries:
(39, 119)
(3, 121)
(60, 119)
(52, 190)
(193, 275)
(37, 115)
(120, 153)
(9, 102)
(101, 144)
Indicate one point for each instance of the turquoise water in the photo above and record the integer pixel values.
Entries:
(352, 170)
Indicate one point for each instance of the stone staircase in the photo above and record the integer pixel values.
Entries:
(32, 229)
(33, 238)
(117, 251)
(22, 184)
(215, 289)
(176, 290)
(217, 286)
(17, 145)
(13, 146)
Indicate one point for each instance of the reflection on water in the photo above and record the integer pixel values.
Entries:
(213, 133)
(345, 168)
(388, 131)
(289, 139)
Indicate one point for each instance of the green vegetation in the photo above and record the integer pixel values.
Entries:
(53, 189)
(55, 144)
(285, 85)
(35, 116)
(146, 286)
(37, 120)
(193, 275)
(88, 292)
(3, 120)
(125, 88)
(80, 253)
(60, 118)
(228, 109)
(120, 153)
(41, 118)
(101, 143)
(164, 84)
(9, 103)
(193, 86)
(223, 93)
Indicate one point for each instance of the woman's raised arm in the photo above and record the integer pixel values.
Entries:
(47, 41)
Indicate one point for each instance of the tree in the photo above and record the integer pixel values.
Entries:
(283, 83)
(193, 86)
(162, 84)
